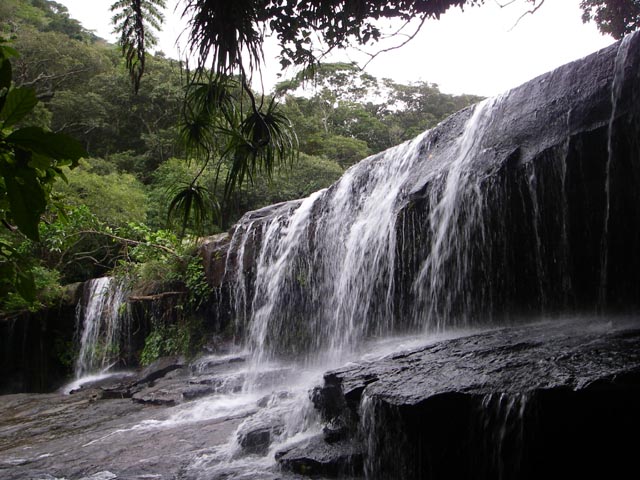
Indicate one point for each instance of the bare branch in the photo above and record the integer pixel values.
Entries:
(409, 38)
(128, 241)
(529, 12)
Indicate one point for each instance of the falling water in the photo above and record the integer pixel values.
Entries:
(99, 324)
(456, 214)
(616, 90)
(332, 259)
(501, 428)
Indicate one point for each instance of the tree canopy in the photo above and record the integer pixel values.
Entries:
(614, 17)
(228, 37)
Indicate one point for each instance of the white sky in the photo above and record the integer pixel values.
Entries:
(477, 51)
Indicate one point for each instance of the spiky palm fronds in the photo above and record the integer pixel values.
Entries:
(263, 142)
(191, 201)
(135, 22)
(220, 31)
(207, 105)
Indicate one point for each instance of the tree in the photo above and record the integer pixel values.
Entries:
(136, 21)
(614, 17)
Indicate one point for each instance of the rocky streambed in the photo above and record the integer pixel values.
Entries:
(548, 399)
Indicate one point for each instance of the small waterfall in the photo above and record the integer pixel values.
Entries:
(99, 325)
(383, 439)
(282, 244)
(616, 91)
(502, 431)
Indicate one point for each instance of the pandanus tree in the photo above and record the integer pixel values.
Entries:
(223, 124)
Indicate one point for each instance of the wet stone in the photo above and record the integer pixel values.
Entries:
(316, 457)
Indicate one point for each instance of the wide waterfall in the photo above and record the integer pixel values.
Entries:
(483, 220)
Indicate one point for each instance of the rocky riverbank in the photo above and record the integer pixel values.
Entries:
(555, 396)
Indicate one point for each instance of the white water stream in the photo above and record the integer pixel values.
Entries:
(100, 321)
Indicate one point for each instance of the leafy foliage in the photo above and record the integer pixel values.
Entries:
(176, 339)
(216, 130)
(187, 200)
(115, 198)
(613, 17)
(31, 159)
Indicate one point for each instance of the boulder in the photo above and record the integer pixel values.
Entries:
(315, 457)
(505, 403)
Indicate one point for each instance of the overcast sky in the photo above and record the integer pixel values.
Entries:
(479, 51)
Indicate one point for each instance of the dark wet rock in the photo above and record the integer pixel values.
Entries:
(216, 363)
(160, 368)
(213, 251)
(256, 441)
(335, 430)
(224, 383)
(257, 433)
(33, 347)
(316, 457)
(276, 396)
(521, 401)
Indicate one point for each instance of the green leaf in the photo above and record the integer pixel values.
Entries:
(7, 51)
(26, 199)
(41, 162)
(19, 102)
(55, 145)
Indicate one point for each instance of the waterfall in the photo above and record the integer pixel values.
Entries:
(616, 91)
(456, 213)
(501, 214)
(491, 217)
(99, 325)
(329, 259)
(326, 270)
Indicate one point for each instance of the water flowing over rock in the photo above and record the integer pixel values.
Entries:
(526, 203)
(101, 321)
(551, 399)
(490, 242)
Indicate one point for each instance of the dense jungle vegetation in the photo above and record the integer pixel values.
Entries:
(112, 210)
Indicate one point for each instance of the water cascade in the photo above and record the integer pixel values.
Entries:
(493, 217)
(487, 218)
(101, 321)
(430, 315)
